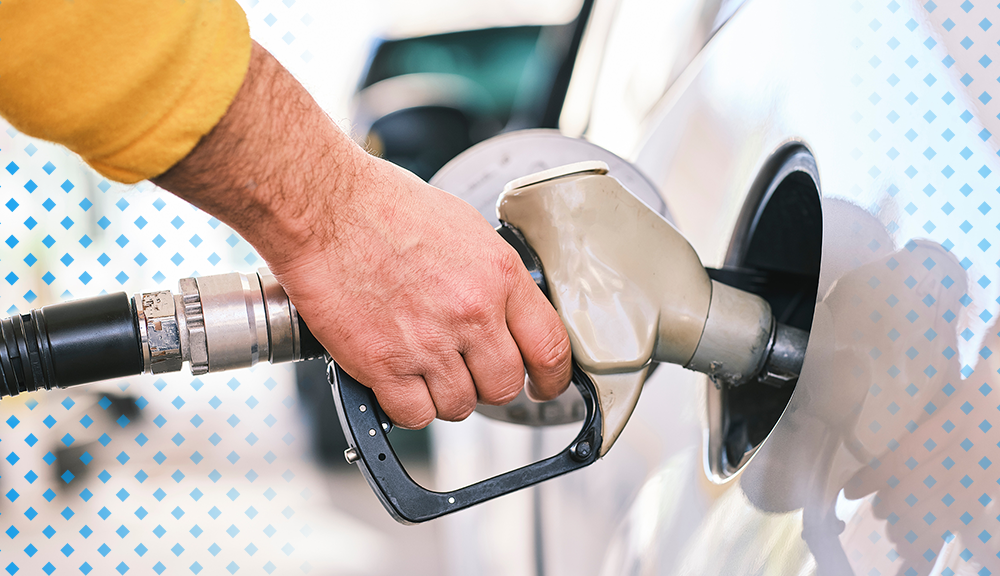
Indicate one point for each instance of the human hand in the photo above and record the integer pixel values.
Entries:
(408, 287)
(415, 295)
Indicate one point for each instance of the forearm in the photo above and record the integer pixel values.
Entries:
(273, 165)
(406, 286)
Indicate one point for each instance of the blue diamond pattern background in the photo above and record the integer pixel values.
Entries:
(926, 81)
(90, 490)
(208, 474)
(905, 136)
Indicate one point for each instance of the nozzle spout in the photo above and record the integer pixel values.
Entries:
(631, 291)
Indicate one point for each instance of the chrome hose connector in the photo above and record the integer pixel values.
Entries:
(282, 320)
(217, 323)
(194, 346)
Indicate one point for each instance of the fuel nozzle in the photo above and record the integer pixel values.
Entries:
(632, 291)
(742, 342)
(214, 323)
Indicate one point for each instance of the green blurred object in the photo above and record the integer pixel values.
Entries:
(424, 100)
(496, 59)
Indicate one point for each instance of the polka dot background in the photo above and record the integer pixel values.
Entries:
(925, 307)
(80, 461)
(153, 475)
(181, 474)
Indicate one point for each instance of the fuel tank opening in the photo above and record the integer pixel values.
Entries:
(774, 253)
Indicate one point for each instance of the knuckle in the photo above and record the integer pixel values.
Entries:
(507, 261)
(504, 391)
(460, 410)
(552, 354)
(472, 306)
(509, 268)
(384, 357)
(375, 353)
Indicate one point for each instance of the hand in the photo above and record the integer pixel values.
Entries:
(415, 295)
(409, 288)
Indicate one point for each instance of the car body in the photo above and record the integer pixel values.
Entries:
(748, 120)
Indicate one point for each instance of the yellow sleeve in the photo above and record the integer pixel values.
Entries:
(129, 85)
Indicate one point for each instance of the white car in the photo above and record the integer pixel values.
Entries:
(839, 159)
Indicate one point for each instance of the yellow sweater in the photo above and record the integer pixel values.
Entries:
(129, 85)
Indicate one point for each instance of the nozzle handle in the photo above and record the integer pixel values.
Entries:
(367, 431)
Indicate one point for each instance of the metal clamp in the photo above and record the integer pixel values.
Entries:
(218, 322)
(158, 332)
(282, 319)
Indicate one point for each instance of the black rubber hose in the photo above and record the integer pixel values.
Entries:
(71, 343)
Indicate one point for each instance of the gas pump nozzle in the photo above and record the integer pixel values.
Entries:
(629, 288)
(631, 291)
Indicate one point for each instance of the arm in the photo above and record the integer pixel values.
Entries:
(407, 287)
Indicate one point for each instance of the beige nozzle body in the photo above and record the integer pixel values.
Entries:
(629, 287)
(614, 268)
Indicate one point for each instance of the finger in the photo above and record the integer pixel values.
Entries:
(406, 401)
(541, 338)
(451, 388)
(496, 368)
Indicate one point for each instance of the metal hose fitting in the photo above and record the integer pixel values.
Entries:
(214, 323)
(217, 323)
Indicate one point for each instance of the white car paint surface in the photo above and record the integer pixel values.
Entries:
(886, 460)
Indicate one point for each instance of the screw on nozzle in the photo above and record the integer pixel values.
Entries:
(581, 451)
(351, 455)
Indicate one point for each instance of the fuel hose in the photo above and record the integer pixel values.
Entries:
(213, 323)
